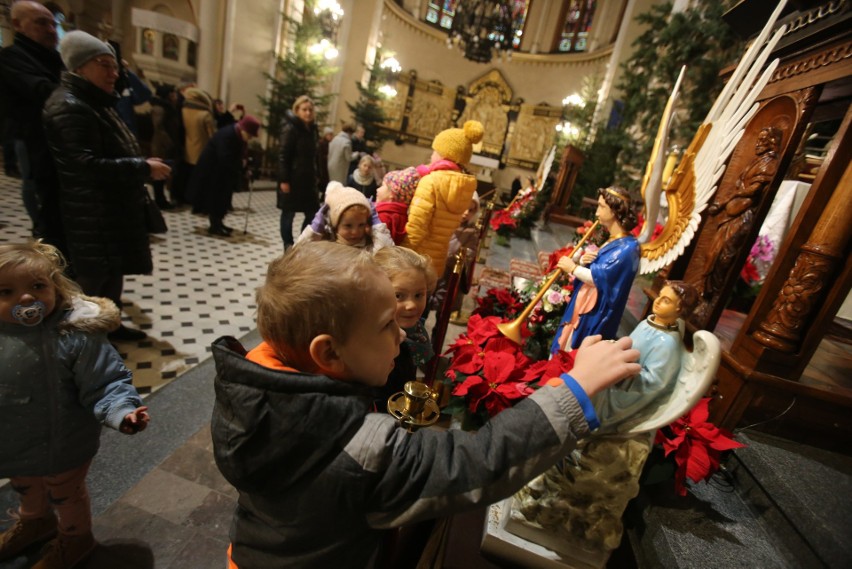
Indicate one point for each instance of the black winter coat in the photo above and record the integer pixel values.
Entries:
(218, 172)
(101, 173)
(29, 73)
(297, 165)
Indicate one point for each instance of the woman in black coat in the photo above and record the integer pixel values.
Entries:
(297, 168)
(219, 171)
(101, 173)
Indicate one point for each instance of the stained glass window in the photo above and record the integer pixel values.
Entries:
(576, 25)
(441, 14)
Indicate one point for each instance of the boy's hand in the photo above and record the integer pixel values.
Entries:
(135, 421)
(567, 264)
(599, 364)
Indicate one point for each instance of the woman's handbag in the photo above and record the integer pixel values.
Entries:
(154, 221)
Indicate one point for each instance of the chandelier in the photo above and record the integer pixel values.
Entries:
(482, 28)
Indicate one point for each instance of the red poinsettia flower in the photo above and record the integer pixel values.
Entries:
(545, 370)
(556, 255)
(502, 218)
(697, 445)
(750, 273)
(470, 358)
(658, 228)
(507, 298)
(496, 388)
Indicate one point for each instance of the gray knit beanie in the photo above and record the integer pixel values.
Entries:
(78, 48)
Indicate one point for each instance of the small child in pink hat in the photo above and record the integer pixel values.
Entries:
(393, 198)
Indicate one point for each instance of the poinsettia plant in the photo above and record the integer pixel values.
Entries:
(520, 215)
(489, 372)
(697, 445)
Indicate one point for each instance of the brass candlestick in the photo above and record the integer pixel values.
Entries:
(414, 407)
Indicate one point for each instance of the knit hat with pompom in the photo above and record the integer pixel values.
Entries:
(339, 198)
(401, 184)
(456, 144)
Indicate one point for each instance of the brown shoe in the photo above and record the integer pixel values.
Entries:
(66, 551)
(25, 533)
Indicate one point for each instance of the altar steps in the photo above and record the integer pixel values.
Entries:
(778, 504)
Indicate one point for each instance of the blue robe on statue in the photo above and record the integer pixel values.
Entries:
(613, 272)
(660, 352)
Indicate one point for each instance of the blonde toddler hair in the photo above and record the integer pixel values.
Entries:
(41, 259)
(396, 260)
(317, 287)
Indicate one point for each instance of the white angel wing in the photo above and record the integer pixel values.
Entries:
(652, 182)
(696, 178)
(697, 370)
(544, 169)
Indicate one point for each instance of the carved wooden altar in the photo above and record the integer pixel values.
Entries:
(779, 358)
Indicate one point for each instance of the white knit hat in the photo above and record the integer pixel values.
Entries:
(77, 48)
(339, 198)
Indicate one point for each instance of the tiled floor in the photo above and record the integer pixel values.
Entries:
(202, 286)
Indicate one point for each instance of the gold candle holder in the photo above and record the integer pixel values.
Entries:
(414, 407)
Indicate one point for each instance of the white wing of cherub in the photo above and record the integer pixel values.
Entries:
(544, 169)
(697, 372)
(696, 177)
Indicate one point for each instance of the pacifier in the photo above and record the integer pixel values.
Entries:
(30, 315)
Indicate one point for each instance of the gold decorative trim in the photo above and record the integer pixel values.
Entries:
(813, 16)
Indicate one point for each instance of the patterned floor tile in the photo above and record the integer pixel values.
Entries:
(202, 287)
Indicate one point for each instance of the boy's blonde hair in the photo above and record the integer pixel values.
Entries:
(396, 260)
(317, 287)
(41, 259)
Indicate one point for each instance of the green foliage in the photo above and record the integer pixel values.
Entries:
(581, 116)
(298, 72)
(697, 38)
(368, 110)
(599, 166)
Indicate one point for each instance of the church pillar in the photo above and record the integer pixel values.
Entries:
(209, 46)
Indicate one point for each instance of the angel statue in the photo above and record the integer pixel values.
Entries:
(604, 277)
(659, 340)
(572, 512)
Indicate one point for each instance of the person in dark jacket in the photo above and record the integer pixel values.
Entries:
(29, 72)
(319, 476)
(297, 168)
(101, 173)
(219, 171)
(166, 138)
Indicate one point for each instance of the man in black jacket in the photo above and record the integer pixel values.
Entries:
(29, 72)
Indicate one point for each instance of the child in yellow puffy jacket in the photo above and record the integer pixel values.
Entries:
(443, 194)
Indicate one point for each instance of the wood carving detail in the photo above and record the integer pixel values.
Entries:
(797, 300)
(737, 212)
(821, 59)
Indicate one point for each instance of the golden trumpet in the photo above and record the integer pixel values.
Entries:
(512, 330)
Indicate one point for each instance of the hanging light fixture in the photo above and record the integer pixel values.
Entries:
(482, 28)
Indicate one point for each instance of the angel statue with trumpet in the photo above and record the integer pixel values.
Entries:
(551, 510)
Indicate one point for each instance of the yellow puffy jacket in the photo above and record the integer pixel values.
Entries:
(435, 213)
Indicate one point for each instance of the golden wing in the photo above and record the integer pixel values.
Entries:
(696, 177)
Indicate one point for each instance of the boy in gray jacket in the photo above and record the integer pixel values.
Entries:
(319, 475)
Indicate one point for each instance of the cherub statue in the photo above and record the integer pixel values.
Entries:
(659, 340)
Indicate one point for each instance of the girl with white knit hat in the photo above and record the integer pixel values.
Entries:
(349, 218)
